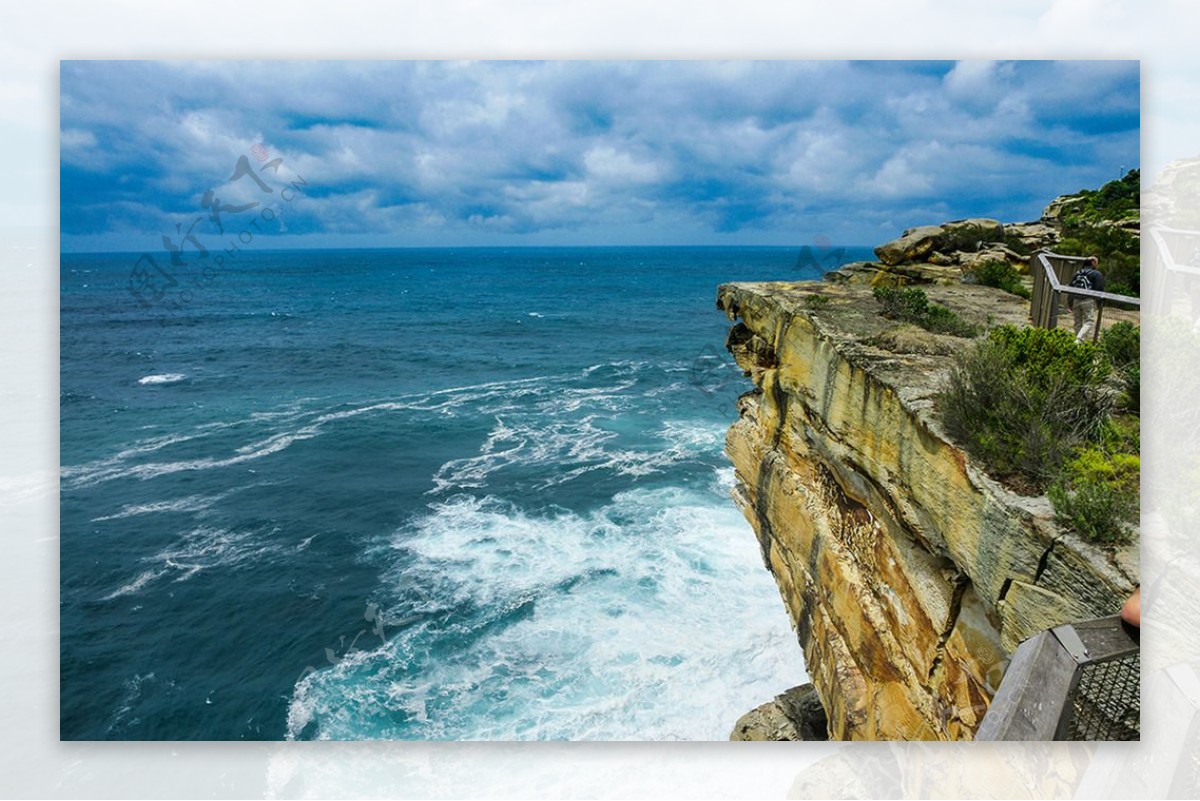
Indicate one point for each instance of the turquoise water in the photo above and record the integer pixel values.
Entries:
(412, 494)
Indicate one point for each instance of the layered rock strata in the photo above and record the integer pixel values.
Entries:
(908, 573)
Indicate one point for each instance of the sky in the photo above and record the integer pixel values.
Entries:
(512, 153)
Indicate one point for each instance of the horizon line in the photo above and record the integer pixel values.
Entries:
(832, 246)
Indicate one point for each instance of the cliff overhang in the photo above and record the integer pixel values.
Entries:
(908, 572)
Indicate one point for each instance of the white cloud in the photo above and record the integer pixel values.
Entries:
(76, 139)
(607, 163)
(969, 77)
(520, 146)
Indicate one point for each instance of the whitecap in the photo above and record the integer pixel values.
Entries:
(162, 378)
(143, 578)
(202, 548)
(552, 395)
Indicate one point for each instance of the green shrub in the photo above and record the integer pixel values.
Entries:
(1097, 495)
(1131, 377)
(1002, 275)
(972, 239)
(1024, 399)
(815, 302)
(1050, 354)
(1091, 227)
(1115, 200)
(913, 306)
(1122, 342)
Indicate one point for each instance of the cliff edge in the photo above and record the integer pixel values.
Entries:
(909, 574)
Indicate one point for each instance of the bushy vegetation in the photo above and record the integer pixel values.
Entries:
(1024, 398)
(1097, 495)
(1090, 227)
(1038, 409)
(913, 306)
(1116, 200)
(1131, 375)
(815, 302)
(1002, 275)
(1122, 343)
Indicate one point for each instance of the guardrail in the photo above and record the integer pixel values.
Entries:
(1074, 682)
(1052, 273)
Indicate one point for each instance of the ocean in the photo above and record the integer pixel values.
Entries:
(441, 494)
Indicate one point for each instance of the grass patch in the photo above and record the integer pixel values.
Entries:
(816, 302)
(913, 306)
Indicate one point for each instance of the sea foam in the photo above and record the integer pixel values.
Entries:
(511, 624)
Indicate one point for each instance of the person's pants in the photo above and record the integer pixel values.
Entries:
(1085, 318)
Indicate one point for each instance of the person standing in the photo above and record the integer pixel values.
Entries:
(1084, 308)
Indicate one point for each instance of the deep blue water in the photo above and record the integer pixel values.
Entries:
(415, 494)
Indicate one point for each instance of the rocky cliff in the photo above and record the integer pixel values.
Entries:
(909, 573)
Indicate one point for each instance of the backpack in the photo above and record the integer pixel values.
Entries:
(1083, 279)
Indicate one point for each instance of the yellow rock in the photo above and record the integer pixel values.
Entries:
(908, 573)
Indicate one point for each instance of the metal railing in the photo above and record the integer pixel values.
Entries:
(1052, 273)
(1073, 682)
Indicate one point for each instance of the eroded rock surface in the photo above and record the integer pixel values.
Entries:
(793, 715)
(909, 574)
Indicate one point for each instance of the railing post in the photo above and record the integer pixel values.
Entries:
(1073, 682)
(1033, 694)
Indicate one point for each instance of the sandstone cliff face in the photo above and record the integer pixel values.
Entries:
(909, 574)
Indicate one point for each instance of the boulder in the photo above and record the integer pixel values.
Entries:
(1060, 207)
(914, 245)
(856, 272)
(989, 229)
(873, 273)
(1032, 235)
(970, 261)
(796, 714)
